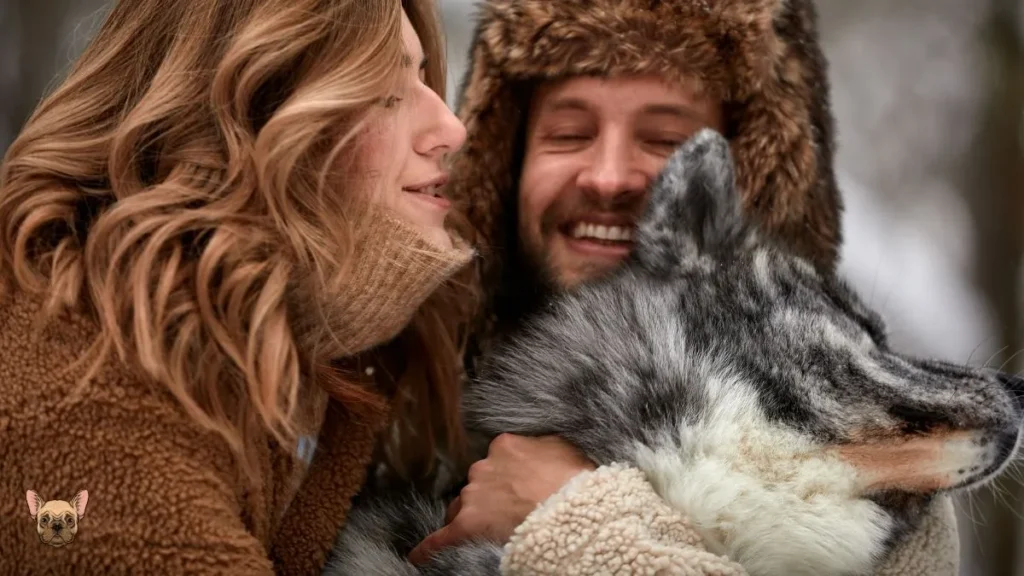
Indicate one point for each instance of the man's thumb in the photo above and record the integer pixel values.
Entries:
(431, 544)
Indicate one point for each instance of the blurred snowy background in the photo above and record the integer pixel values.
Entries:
(929, 97)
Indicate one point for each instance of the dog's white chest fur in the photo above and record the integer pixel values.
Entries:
(764, 495)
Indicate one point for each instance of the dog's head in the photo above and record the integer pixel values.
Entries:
(802, 340)
(57, 520)
(760, 393)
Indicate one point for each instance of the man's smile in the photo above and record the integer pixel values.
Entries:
(591, 239)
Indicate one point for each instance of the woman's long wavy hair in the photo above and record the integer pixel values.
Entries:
(172, 185)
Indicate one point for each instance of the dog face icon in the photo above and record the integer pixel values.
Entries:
(57, 520)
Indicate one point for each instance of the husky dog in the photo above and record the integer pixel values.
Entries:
(759, 396)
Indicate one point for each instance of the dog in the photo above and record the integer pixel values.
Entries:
(57, 520)
(757, 393)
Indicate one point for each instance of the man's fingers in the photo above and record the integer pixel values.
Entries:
(449, 535)
(425, 549)
(479, 470)
(453, 510)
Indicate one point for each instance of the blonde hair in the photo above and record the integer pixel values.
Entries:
(174, 183)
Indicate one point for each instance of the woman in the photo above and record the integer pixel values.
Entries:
(205, 233)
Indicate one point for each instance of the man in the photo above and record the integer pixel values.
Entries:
(571, 109)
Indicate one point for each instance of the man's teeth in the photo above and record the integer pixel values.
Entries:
(602, 232)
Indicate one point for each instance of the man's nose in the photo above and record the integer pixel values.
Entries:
(612, 172)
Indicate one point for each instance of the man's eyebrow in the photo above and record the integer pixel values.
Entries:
(676, 110)
(567, 103)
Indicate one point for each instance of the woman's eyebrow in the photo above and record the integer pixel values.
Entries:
(407, 61)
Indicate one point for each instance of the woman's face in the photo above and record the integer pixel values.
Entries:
(405, 145)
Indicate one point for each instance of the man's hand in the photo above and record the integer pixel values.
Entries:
(518, 474)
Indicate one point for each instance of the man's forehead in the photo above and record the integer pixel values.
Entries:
(623, 94)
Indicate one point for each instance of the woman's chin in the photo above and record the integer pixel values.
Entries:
(439, 237)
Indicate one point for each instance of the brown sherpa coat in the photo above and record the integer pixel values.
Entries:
(763, 60)
(165, 496)
(162, 495)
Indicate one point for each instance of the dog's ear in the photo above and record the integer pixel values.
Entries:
(34, 502)
(79, 502)
(693, 208)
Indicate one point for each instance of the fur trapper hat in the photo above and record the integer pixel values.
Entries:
(760, 57)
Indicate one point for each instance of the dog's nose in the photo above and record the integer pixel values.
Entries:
(57, 527)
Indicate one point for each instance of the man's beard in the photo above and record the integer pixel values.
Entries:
(530, 276)
(528, 280)
(524, 285)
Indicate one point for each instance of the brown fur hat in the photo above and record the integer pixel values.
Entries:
(761, 57)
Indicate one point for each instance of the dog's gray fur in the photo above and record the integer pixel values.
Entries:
(387, 523)
(710, 346)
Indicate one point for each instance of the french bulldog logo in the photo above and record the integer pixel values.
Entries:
(57, 520)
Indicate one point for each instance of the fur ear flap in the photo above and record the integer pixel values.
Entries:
(79, 502)
(34, 502)
(693, 208)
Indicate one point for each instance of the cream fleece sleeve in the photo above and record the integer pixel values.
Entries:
(610, 521)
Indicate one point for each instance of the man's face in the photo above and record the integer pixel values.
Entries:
(592, 148)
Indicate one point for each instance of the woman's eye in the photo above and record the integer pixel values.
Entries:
(391, 101)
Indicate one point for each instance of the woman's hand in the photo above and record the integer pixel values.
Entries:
(518, 474)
